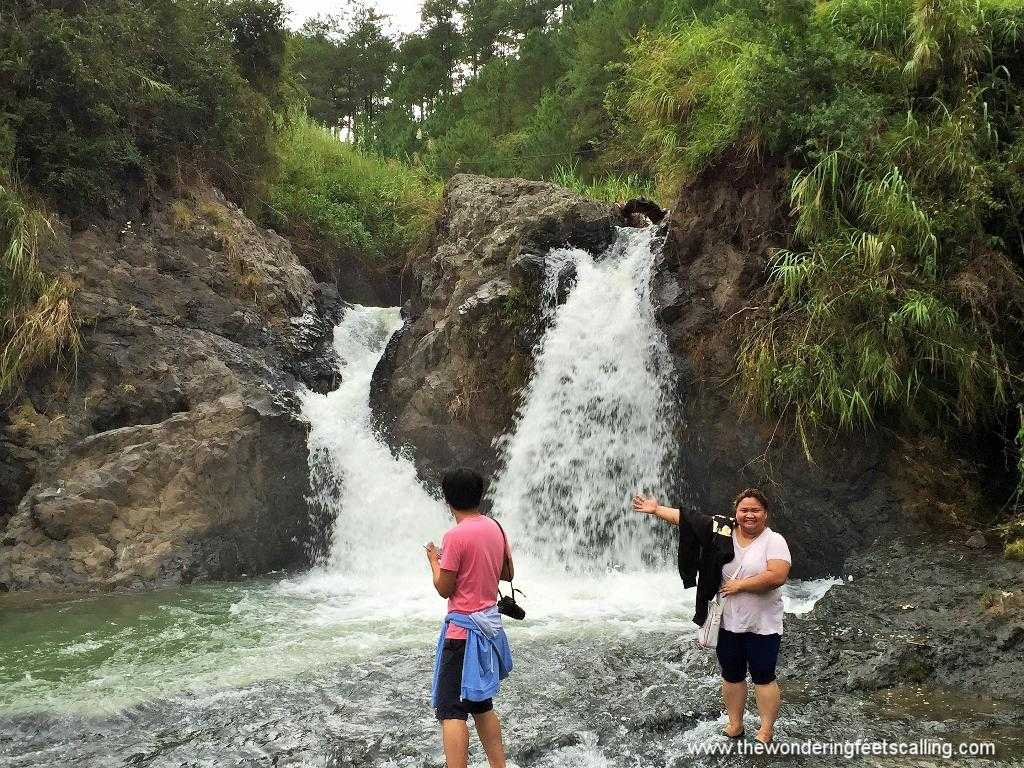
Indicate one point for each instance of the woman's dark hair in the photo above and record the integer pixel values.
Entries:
(751, 493)
(463, 488)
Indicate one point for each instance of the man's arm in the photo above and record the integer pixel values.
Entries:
(776, 575)
(444, 581)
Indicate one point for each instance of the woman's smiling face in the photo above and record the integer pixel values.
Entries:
(751, 516)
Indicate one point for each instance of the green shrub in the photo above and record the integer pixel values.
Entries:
(113, 94)
(901, 298)
(374, 208)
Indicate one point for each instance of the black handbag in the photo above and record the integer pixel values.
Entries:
(507, 605)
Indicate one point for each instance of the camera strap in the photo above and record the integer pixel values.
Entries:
(504, 561)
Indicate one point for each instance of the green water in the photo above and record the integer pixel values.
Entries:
(102, 653)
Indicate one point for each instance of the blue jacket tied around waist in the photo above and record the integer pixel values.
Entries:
(488, 658)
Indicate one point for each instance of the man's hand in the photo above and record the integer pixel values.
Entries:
(433, 553)
(646, 504)
(444, 581)
(732, 587)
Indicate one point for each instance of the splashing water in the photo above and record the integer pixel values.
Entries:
(374, 498)
(597, 420)
(383, 515)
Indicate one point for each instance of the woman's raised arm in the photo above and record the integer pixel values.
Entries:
(649, 506)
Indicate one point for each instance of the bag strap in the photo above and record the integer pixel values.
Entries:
(740, 566)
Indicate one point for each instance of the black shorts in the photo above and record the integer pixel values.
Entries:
(738, 651)
(450, 705)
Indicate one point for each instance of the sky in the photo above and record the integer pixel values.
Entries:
(405, 14)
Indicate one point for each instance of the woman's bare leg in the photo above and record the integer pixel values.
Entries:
(768, 698)
(488, 728)
(735, 695)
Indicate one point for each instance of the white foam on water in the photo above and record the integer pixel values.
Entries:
(595, 425)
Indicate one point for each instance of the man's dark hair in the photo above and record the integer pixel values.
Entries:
(751, 493)
(463, 488)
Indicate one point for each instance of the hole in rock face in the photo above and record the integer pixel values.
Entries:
(128, 409)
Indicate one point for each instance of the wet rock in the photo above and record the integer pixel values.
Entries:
(947, 638)
(173, 450)
(1010, 636)
(904, 663)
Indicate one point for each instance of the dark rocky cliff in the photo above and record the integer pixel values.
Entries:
(173, 449)
(705, 288)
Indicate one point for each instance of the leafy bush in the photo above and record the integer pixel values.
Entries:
(903, 298)
(373, 208)
(107, 95)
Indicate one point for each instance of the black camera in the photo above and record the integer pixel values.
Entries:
(507, 606)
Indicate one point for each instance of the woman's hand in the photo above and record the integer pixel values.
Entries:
(732, 587)
(646, 504)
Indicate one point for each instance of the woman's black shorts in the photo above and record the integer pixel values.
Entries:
(450, 706)
(738, 651)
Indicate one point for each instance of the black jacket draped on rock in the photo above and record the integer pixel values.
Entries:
(705, 545)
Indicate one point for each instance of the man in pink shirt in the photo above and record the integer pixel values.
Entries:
(473, 556)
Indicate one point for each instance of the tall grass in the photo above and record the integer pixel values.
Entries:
(609, 188)
(329, 192)
(689, 93)
(37, 324)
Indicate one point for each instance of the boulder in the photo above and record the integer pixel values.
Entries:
(212, 492)
(173, 448)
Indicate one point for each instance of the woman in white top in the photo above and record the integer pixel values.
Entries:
(751, 628)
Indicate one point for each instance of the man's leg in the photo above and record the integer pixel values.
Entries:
(451, 711)
(455, 737)
(488, 727)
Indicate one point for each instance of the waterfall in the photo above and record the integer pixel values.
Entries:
(595, 426)
(597, 418)
(382, 514)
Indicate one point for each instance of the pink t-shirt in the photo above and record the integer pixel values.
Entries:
(474, 550)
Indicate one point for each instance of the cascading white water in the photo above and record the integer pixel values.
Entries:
(374, 498)
(596, 425)
(597, 419)
(597, 408)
